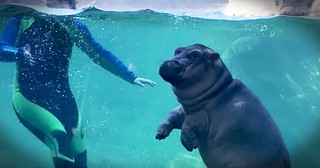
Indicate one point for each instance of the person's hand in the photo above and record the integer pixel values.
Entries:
(27, 55)
(141, 82)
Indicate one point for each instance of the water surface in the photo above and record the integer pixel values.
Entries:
(278, 58)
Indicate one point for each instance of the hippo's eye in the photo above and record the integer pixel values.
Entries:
(195, 54)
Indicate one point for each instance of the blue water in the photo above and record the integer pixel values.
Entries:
(278, 58)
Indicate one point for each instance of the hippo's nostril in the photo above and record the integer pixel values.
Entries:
(176, 62)
(173, 63)
(170, 62)
(164, 62)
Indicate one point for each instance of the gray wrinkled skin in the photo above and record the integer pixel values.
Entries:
(219, 115)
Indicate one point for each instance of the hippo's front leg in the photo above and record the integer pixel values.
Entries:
(194, 125)
(173, 121)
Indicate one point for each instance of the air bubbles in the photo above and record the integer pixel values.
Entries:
(177, 21)
(115, 39)
(272, 33)
(262, 28)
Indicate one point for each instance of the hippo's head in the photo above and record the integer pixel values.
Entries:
(193, 70)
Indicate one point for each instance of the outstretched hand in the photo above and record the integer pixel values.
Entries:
(141, 82)
(27, 55)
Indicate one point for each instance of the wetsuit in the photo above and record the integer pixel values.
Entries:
(42, 97)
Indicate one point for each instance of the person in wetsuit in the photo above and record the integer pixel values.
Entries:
(42, 98)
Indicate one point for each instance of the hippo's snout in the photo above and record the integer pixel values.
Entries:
(171, 71)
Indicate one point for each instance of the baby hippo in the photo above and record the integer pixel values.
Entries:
(219, 115)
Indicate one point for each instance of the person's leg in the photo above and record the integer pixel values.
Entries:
(81, 160)
(47, 128)
(78, 146)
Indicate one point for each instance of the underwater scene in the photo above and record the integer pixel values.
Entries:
(276, 57)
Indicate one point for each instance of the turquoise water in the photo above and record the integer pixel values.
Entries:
(278, 58)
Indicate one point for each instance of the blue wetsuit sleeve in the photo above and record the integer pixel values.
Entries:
(9, 53)
(84, 40)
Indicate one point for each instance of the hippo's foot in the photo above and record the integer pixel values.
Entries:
(163, 131)
(188, 139)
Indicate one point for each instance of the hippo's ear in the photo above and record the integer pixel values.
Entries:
(213, 55)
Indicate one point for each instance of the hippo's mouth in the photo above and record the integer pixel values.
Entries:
(172, 72)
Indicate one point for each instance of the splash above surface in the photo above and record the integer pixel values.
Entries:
(218, 9)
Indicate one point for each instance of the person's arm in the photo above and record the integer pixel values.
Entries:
(101, 56)
(9, 53)
(84, 40)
